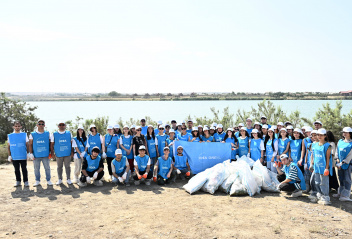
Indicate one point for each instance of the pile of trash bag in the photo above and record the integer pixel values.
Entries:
(242, 177)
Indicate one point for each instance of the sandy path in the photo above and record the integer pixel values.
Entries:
(159, 212)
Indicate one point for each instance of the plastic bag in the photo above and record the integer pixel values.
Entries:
(249, 161)
(233, 174)
(247, 178)
(267, 183)
(237, 188)
(273, 177)
(195, 183)
(215, 178)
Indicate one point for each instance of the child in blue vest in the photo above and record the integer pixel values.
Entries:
(39, 147)
(17, 149)
(79, 144)
(308, 176)
(321, 167)
(163, 168)
(290, 177)
(344, 156)
(142, 167)
(181, 166)
(126, 146)
(92, 169)
(111, 144)
(120, 169)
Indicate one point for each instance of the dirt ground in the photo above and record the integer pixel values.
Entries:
(159, 212)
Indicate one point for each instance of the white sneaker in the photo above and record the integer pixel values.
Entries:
(147, 182)
(345, 199)
(312, 197)
(137, 182)
(59, 182)
(49, 183)
(81, 184)
(37, 183)
(17, 183)
(26, 184)
(69, 181)
(296, 193)
(75, 180)
(98, 183)
(324, 202)
(336, 195)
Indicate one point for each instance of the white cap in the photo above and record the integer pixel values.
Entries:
(240, 125)
(256, 123)
(160, 122)
(195, 129)
(161, 126)
(274, 126)
(219, 126)
(321, 131)
(171, 131)
(265, 126)
(183, 122)
(116, 126)
(166, 148)
(248, 119)
(61, 122)
(229, 129)
(167, 125)
(318, 122)
(214, 124)
(92, 126)
(179, 124)
(118, 151)
(308, 129)
(280, 123)
(255, 131)
(189, 120)
(138, 127)
(271, 129)
(298, 130)
(180, 146)
(200, 126)
(243, 128)
(263, 117)
(151, 126)
(289, 127)
(212, 127)
(314, 131)
(126, 126)
(347, 130)
(109, 127)
(80, 127)
(133, 126)
(283, 129)
(141, 147)
(282, 156)
(205, 128)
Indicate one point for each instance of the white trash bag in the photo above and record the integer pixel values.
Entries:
(237, 188)
(267, 183)
(215, 178)
(247, 178)
(233, 174)
(249, 161)
(195, 183)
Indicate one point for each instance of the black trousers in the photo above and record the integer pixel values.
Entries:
(108, 161)
(23, 165)
(150, 175)
(287, 187)
(90, 174)
(162, 181)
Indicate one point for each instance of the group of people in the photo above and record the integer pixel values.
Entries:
(304, 158)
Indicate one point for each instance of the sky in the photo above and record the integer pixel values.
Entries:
(175, 46)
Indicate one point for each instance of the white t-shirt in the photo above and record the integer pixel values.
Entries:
(31, 137)
(8, 140)
(52, 139)
(261, 145)
(113, 166)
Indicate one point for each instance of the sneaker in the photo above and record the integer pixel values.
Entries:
(75, 180)
(59, 182)
(69, 181)
(98, 183)
(49, 183)
(127, 184)
(296, 193)
(311, 197)
(17, 183)
(26, 184)
(137, 182)
(183, 177)
(147, 182)
(336, 195)
(324, 202)
(37, 183)
(345, 199)
(81, 184)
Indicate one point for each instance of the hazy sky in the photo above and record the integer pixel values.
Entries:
(175, 46)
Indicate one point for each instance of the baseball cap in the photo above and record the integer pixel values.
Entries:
(142, 147)
(118, 151)
(265, 126)
(96, 149)
(347, 129)
(321, 131)
(116, 126)
(109, 127)
(255, 131)
(282, 156)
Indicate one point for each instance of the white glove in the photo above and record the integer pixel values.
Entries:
(305, 166)
(178, 171)
(248, 155)
(83, 154)
(339, 164)
(30, 156)
(104, 155)
(172, 143)
(275, 165)
(75, 156)
(88, 179)
(9, 158)
(120, 179)
(278, 186)
(95, 175)
(237, 156)
(124, 176)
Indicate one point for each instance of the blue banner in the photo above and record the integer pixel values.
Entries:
(204, 155)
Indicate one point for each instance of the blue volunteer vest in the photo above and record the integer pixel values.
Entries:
(282, 145)
(120, 167)
(249, 131)
(243, 146)
(144, 130)
(142, 162)
(169, 141)
(189, 131)
(94, 141)
(319, 153)
(233, 150)
(93, 164)
(127, 142)
(219, 137)
(306, 142)
(164, 166)
(111, 145)
(237, 134)
(180, 162)
(299, 174)
(269, 149)
(151, 147)
(41, 144)
(161, 143)
(184, 137)
(343, 149)
(197, 139)
(210, 138)
(81, 145)
(255, 149)
(18, 146)
(62, 144)
(310, 152)
(296, 149)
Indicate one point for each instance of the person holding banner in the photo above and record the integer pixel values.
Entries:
(207, 137)
(220, 134)
(195, 135)
(256, 146)
(111, 144)
(79, 144)
(163, 168)
(231, 138)
(243, 143)
(184, 135)
(152, 146)
(181, 166)
(142, 167)
(120, 169)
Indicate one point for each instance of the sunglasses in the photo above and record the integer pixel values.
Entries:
(43, 124)
(183, 128)
(61, 124)
(236, 129)
(161, 128)
(138, 130)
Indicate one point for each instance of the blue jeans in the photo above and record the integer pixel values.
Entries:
(115, 180)
(46, 163)
(322, 185)
(345, 181)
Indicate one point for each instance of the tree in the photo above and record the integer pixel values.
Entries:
(169, 94)
(113, 94)
(146, 96)
(193, 94)
(13, 110)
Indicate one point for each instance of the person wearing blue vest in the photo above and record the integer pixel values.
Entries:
(92, 169)
(156, 130)
(343, 159)
(117, 130)
(290, 177)
(120, 169)
(264, 120)
(271, 147)
(61, 146)
(127, 146)
(195, 135)
(283, 145)
(79, 144)
(190, 126)
(249, 125)
(308, 176)
(289, 129)
(207, 137)
(237, 133)
(243, 143)
(152, 144)
(142, 167)
(232, 139)
(184, 135)
(163, 168)
(305, 141)
(256, 146)
(161, 141)
(111, 144)
(144, 127)
(170, 142)
(174, 125)
(167, 129)
(181, 166)
(39, 146)
(321, 166)
(95, 140)
(17, 143)
(296, 147)
(279, 126)
(264, 130)
(220, 134)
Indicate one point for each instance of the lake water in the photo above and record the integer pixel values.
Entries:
(53, 111)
